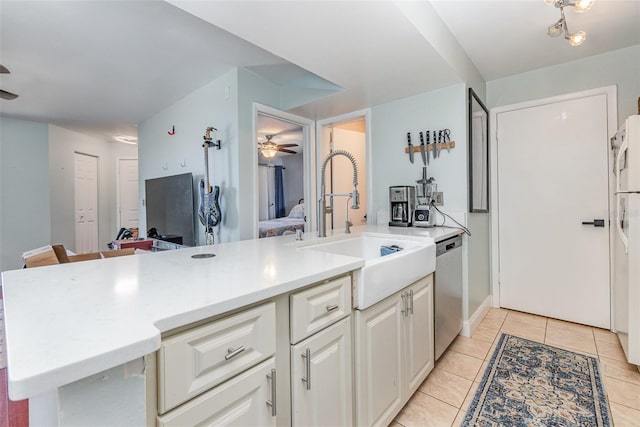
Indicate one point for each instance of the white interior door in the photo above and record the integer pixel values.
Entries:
(553, 175)
(128, 193)
(86, 203)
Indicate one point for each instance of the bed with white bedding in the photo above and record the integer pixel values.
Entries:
(278, 226)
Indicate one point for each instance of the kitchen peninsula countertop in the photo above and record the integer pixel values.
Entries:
(69, 321)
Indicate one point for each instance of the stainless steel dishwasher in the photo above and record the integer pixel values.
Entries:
(447, 299)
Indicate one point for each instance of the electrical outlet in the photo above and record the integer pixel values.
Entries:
(439, 198)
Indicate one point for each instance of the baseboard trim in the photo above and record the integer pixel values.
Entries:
(469, 326)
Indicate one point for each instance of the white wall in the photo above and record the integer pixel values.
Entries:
(619, 67)
(226, 104)
(24, 190)
(163, 155)
(63, 143)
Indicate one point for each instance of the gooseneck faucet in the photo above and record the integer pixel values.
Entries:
(322, 203)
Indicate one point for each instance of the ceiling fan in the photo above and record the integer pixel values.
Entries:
(270, 149)
(3, 93)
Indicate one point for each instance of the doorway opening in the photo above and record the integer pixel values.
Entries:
(284, 200)
(348, 134)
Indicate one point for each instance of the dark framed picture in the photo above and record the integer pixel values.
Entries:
(478, 154)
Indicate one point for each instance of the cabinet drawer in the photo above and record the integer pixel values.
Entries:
(196, 360)
(241, 401)
(318, 307)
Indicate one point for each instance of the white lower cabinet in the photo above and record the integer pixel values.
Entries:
(224, 372)
(394, 352)
(321, 378)
(244, 400)
(419, 334)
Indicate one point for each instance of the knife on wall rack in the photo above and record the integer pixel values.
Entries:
(422, 153)
(410, 147)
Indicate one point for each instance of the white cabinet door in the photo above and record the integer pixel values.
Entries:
(379, 354)
(419, 359)
(321, 377)
(241, 401)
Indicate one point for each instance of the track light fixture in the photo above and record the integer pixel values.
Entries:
(556, 29)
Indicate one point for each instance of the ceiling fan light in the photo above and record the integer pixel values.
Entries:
(583, 5)
(555, 30)
(269, 150)
(576, 39)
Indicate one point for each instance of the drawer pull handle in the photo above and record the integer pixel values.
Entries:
(231, 353)
(411, 301)
(332, 307)
(405, 309)
(307, 363)
(272, 402)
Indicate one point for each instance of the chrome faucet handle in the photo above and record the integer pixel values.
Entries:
(347, 227)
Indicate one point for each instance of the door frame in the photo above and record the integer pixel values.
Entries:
(118, 213)
(610, 93)
(308, 161)
(364, 114)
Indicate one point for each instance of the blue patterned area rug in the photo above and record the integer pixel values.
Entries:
(532, 384)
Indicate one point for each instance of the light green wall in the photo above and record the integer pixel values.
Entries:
(479, 261)
(251, 88)
(24, 189)
(619, 67)
(440, 109)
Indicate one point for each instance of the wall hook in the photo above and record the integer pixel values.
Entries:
(172, 131)
(208, 140)
(165, 166)
(183, 163)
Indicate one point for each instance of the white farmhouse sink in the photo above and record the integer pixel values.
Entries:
(383, 276)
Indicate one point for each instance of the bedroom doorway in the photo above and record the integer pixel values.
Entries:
(347, 133)
(283, 195)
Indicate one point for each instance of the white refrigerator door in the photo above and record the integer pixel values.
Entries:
(626, 274)
(627, 161)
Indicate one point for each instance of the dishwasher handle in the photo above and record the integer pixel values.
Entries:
(448, 245)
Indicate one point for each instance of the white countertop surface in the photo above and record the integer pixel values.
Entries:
(69, 321)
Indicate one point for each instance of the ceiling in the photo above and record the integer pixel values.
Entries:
(101, 67)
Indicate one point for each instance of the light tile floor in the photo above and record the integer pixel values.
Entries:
(444, 397)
